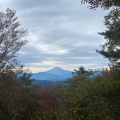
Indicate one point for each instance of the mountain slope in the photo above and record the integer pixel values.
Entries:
(45, 76)
(58, 71)
(55, 74)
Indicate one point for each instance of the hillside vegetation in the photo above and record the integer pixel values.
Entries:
(82, 98)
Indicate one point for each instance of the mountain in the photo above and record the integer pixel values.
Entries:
(58, 71)
(45, 76)
(54, 74)
(58, 74)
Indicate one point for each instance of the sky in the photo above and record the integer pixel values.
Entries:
(61, 33)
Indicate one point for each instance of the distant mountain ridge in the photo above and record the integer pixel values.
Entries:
(58, 71)
(54, 74)
(58, 74)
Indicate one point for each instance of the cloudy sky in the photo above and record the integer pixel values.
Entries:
(61, 33)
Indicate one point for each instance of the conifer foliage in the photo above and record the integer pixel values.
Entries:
(111, 48)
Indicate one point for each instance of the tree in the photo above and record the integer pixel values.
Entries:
(106, 4)
(24, 77)
(82, 71)
(10, 38)
(111, 48)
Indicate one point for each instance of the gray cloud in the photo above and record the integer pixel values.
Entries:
(61, 32)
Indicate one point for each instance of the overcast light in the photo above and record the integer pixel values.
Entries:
(61, 33)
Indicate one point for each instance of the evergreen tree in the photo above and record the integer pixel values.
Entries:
(111, 48)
